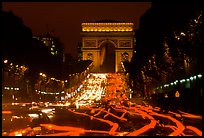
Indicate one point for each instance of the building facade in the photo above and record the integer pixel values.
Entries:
(53, 43)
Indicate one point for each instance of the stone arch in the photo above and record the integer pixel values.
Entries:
(106, 41)
(116, 34)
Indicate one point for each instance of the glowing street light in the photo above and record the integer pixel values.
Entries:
(183, 34)
(191, 78)
(177, 94)
(6, 61)
(199, 76)
(166, 95)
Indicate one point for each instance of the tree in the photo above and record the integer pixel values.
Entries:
(17, 38)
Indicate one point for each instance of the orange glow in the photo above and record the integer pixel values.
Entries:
(64, 134)
(114, 125)
(98, 113)
(6, 112)
(146, 127)
(119, 111)
(180, 126)
(23, 131)
(143, 129)
(194, 129)
(143, 111)
(113, 129)
(190, 115)
(108, 27)
(176, 114)
(63, 128)
(20, 131)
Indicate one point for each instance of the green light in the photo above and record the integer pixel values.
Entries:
(166, 85)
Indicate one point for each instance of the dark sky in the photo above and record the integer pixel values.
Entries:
(65, 18)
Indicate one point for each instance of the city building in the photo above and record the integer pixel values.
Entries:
(55, 46)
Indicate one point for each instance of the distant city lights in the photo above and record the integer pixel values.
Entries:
(181, 81)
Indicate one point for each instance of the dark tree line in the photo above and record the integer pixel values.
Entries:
(169, 38)
(17, 38)
(20, 48)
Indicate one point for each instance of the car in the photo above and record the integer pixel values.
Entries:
(22, 122)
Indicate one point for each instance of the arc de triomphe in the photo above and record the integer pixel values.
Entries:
(107, 44)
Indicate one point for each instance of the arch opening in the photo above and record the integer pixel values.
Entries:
(107, 57)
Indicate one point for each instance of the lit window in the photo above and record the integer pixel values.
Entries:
(53, 45)
(52, 49)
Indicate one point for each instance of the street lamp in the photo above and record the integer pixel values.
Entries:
(6, 61)
(177, 94)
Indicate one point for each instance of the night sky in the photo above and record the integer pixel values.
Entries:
(65, 18)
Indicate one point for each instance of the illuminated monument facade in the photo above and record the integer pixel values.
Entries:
(107, 44)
